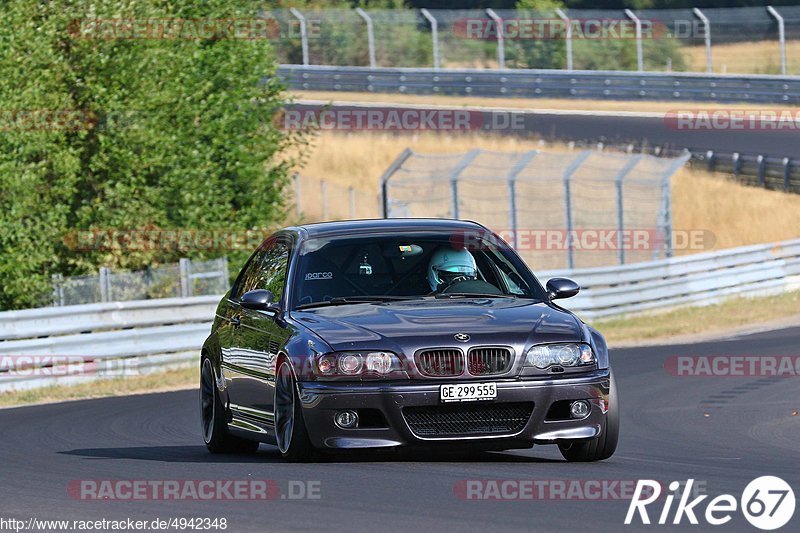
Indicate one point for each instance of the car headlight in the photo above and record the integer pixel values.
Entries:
(357, 364)
(569, 355)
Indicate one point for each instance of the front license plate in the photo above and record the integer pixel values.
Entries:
(468, 392)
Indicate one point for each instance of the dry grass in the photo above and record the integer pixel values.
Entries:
(707, 320)
(762, 57)
(520, 103)
(736, 214)
(184, 378)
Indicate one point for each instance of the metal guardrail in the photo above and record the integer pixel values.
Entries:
(699, 279)
(81, 343)
(152, 335)
(616, 85)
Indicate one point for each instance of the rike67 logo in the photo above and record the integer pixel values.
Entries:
(767, 502)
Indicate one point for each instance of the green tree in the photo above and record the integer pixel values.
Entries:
(172, 133)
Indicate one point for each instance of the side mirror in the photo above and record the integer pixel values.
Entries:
(259, 300)
(562, 288)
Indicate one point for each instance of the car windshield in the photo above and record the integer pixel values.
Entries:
(385, 267)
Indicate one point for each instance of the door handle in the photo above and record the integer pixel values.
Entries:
(236, 321)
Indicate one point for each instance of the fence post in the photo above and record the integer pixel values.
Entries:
(459, 168)
(303, 33)
(434, 35)
(105, 286)
(571, 169)
(501, 47)
(638, 23)
(323, 191)
(186, 282)
(370, 36)
(619, 180)
(666, 202)
(386, 176)
(298, 193)
(781, 36)
(225, 271)
(351, 192)
(707, 26)
(58, 290)
(568, 37)
(518, 167)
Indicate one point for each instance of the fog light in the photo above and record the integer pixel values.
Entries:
(346, 419)
(579, 409)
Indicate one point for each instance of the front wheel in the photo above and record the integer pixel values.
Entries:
(602, 446)
(212, 414)
(290, 428)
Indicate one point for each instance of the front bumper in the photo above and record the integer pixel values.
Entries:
(322, 400)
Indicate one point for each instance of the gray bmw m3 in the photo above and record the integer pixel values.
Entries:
(402, 333)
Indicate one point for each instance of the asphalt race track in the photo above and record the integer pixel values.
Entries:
(722, 432)
(613, 128)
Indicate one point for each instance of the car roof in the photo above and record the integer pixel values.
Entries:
(384, 224)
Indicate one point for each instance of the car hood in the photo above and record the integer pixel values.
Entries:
(412, 325)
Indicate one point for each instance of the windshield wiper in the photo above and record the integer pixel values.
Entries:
(340, 300)
(472, 295)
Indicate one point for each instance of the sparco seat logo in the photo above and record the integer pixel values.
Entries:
(319, 275)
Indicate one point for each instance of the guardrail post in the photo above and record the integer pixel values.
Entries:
(781, 36)
(370, 36)
(459, 168)
(736, 160)
(787, 172)
(521, 163)
(303, 33)
(351, 193)
(762, 170)
(711, 160)
(639, 54)
(501, 48)
(567, 37)
(619, 180)
(434, 35)
(186, 277)
(570, 170)
(387, 175)
(707, 25)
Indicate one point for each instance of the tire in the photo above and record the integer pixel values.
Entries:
(291, 435)
(603, 446)
(212, 416)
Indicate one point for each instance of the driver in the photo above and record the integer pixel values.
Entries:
(449, 266)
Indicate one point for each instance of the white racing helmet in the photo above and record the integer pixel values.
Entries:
(448, 265)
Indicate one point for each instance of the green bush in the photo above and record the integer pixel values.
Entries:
(174, 134)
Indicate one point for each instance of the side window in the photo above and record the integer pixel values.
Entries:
(248, 276)
(271, 274)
